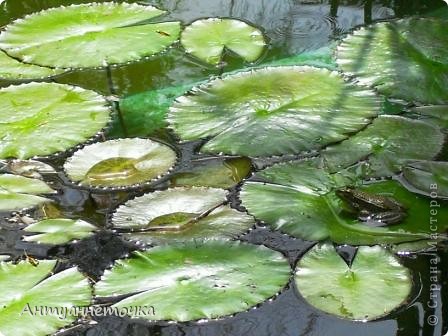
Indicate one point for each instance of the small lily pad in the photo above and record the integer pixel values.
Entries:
(430, 177)
(208, 39)
(120, 163)
(394, 56)
(180, 214)
(27, 168)
(197, 280)
(374, 285)
(58, 231)
(27, 288)
(299, 198)
(18, 192)
(88, 35)
(273, 111)
(39, 119)
(214, 172)
(386, 145)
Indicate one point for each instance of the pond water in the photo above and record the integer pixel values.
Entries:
(293, 27)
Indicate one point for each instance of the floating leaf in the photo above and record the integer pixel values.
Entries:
(45, 118)
(196, 280)
(27, 168)
(11, 69)
(180, 214)
(58, 231)
(374, 285)
(299, 199)
(217, 173)
(207, 39)
(27, 288)
(88, 35)
(394, 56)
(428, 177)
(18, 192)
(386, 144)
(120, 163)
(276, 110)
(435, 114)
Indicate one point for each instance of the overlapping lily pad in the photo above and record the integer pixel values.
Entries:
(27, 168)
(214, 172)
(374, 285)
(274, 110)
(58, 231)
(386, 144)
(180, 214)
(39, 119)
(120, 163)
(88, 35)
(27, 288)
(196, 280)
(209, 38)
(18, 192)
(430, 177)
(405, 59)
(299, 199)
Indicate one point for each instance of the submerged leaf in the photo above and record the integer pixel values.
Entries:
(395, 56)
(88, 35)
(374, 285)
(386, 144)
(207, 39)
(429, 177)
(28, 288)
(214, 172)
(180, 214)
(300, 199)
(120, 163)
(18, 192)
(196, 280)
(46, 118)
(58, 231)
(275, 110)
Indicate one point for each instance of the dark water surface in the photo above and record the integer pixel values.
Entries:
(292, 27)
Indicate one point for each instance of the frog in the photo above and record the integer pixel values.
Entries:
(373, 209)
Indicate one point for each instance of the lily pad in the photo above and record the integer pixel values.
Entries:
(385, 145)
(434, 114)
(39, 119)
(12, 69)
(374, 285)
(394, 56)
(18, 192)
(120, 163)
(28, 287)
(273, 111)
(27, 168)
(207, 39)
(196, 280)
(88, 35)
(58, 231)
(299, 199)
(430, 177)
(180, 214)
(214, 172)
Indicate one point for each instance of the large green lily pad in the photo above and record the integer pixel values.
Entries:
(386, 145)
(374, 285)
(430, 177)
(39, 119)
(180, 214)
(299, 199)
(88, 35)
(28, 287)
(405, 59)
(207, 39)
(196, 280)
(58, 231)
(18, 192)
(274, 110)
(120, 163)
